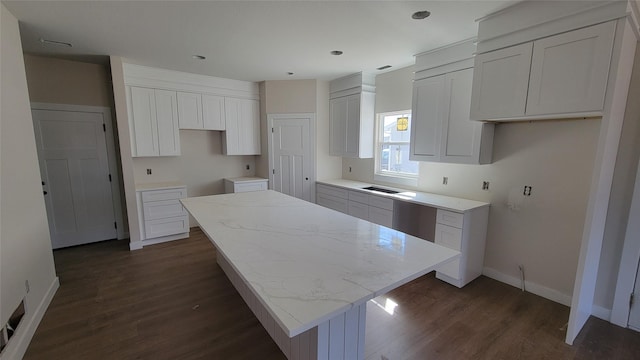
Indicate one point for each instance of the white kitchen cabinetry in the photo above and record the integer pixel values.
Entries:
(245, 184)
(242, 135)
(190, 110)
(563, 75)
(153, 121)
(464, 232)
(376, 209)
(352, 102)
(162, 214)
(440, 129)
(213, 114)
(201, 111)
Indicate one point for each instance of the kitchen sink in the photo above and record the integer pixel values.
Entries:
(375, 188)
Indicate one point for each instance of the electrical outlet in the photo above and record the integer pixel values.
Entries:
(445, 180)
(247, 167)
(349, 168)
(527, 190)
(148, 171)
(485, 185)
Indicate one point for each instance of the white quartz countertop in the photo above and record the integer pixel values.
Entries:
(246, 179)
(421, 198)
(159, 185)
(307, 263)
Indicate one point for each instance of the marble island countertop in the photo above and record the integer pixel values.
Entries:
(421, 198)
(307, 263)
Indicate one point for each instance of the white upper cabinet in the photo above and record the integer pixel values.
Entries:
(242, 135)
(153, 118)
(440, 129)
(352, 103)
(190, 110)
(213, 115)
(500, 82)
(569, 71)
(427, 114)
(562, 75)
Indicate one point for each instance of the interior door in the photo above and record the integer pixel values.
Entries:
(291, 155)
(634, 311)
(72, 153)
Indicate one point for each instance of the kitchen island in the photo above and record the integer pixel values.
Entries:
(307, 271)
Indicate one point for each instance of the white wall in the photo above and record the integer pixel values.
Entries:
(25, 245)
(542, 232)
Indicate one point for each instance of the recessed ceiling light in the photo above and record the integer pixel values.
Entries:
(53, 42)
(419, 15)
(289, 73)
(336, 52)
(199, 57)
(384, 67)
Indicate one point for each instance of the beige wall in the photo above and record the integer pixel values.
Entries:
(299, 96)
(201, 165)
(541, 232)
(25, 245)
(60, 81)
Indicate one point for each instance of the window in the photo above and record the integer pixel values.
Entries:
(392, 148)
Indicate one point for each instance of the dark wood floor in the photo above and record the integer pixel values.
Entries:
(172, 301)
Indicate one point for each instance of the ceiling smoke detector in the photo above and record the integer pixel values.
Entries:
(419, 15)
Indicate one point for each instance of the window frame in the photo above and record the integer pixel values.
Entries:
(385, 175)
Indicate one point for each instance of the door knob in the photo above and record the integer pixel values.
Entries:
(44, 192)
(306, 178)
(43, 184)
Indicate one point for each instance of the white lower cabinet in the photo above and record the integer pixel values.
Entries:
(373, 208)
(245, 184)
(162, 214)
(464, 232)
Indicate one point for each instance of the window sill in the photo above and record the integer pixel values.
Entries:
(398, 180)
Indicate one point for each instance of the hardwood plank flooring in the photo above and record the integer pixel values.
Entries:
(172, 301)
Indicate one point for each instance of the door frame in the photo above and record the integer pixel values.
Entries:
(629, 261)
(112, 155)
(312, 143)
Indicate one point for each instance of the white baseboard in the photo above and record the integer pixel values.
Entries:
(531, 287)
(601, 312)
(135, 245)
(20, 341)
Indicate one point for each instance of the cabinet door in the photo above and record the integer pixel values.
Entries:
(463, 141)
(143, 122)
(242, 135)
(352, 145)
(338, 114)
(213, 115)
(569, 71)
(190, 110)
(427, 115)
(500, 83)
(167, 118)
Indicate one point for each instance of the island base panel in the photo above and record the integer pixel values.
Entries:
(340, 338)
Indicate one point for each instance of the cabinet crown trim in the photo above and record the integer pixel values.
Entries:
(450, 54)
(530, 20)
(145, 76)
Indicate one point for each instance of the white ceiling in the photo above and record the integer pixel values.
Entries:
(250, 40)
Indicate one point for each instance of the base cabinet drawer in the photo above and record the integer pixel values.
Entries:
(332, 202)
(237, 185)
(359, 210)
(164, 194)
(167, 226)
(255, 186)
(163, 209)
(448, 236)
(382, 217)
(332, 191)
(451, 269)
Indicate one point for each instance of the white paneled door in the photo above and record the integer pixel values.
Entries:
(72, 152)
(291, 155)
